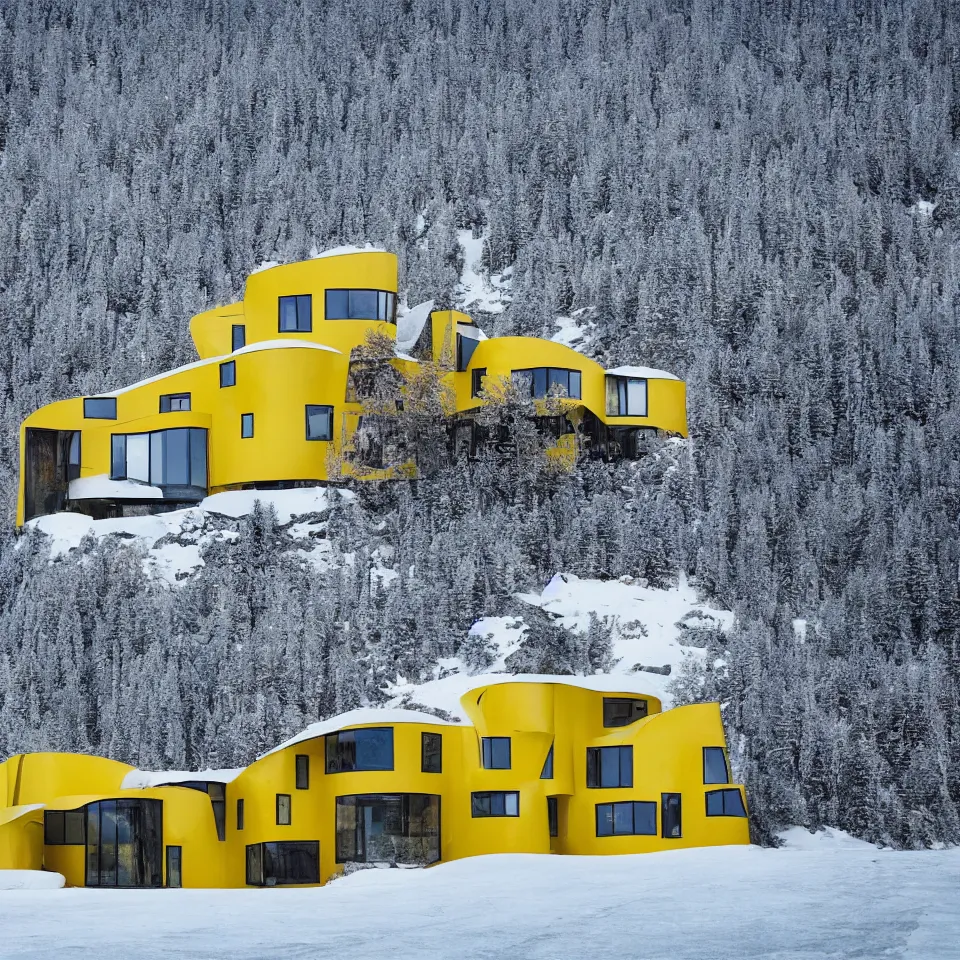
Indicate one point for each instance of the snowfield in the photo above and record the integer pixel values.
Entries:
(830, 897)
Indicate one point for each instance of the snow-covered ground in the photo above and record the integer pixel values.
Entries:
(477, 291)
(840, 899)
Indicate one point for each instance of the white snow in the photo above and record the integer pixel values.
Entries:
(30, 880)
(139, 779)
(828, 838)
(292, 344)
(476, 291)
(471, 331)
(410, 324)
(91, 488)
(573, 331)
(344, 250)
(644, 373)
(161, 376)
(357, 718)
(287, 503)
(924, 208)
(719, 903)
(264, 265)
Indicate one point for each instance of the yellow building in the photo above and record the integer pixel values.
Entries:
(543, 765)
(276, 398)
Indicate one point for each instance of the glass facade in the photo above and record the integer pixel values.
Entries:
(370, 749)
(283, 862)
(542, 382)
(361, 305)
(388, 828)
(124, 845)
(176, 457)
(296, 314)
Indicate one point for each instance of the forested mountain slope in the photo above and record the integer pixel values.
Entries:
(759, 196)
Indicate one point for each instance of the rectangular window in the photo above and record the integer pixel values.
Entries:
(361, 305)
(548, 381)
(100, 408)
(547, 772)
(369, 749)
(631, 818)
(725, 803)
(238, 337)
(283, 809)
(431, 753)
(53, 828)
(552, 816)
(715, 765)
(283, 862)
(239, 814)
(670, 816)
(319, 422)
(476, 381)
(246, 426)
(621, 711)
(296, 314)
(496, 753)
(626, 397)
(73, 457)
(495, 803)
(465, 350)
(303, 771)
(175, 457)
(228, 374)
(124, 843)
(174, 866)
(218, 800)
(609, 767)
(388, 828)
(175, 403)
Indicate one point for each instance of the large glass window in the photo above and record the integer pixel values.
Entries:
(715, 765)
(63, 827)
(228, 374)
(388, 828)
(621, 711)
(547, 772)
(100, 408)
(431, 753)
(319, 422)
(496, 753)
(296, 314)
(495, 803)
(632, 818)
(361, 305)
(124, 845)
(670, 824)
(238, 336)
(174, 402)
(176, 457)
(725, 803)
(609, 766)
(303, 771)
(283, 862)
(370, 749)
(540, 382)
(626, 397)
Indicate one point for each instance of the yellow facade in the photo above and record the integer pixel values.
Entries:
(391, 786)
(269, 401)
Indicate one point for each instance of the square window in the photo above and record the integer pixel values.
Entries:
(228, 374)
(319, 422)
(283, 809)
(246, 426)
(496, 753)
(100, 408)
(609, 767)
(296, 314)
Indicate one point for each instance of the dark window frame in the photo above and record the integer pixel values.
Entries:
(390, 304)
(242, 327)
(663, 820)
(548, 381)
(623, 394)
(96, 416)
(546, 773)
(335, 737)
(263, 880)
(553, 817)
(240, 813)
(632, 832)
(52, 817)
(166, 402)
(173, 850)
(488, 745)
(728, 792)
(489, 795)
(244, 435)
(120, 440)
(405, 801)
(297, 299)
(302, 771)
(306, 413)
(611, 703)
(711, 751)
(476, 381)
(426, 765)
(595, 767)
(228, 372)
(289, 821)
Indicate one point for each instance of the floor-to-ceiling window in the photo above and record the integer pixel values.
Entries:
(124, 843)
(388, 828)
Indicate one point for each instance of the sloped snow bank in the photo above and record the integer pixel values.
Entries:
(30, 880)
(477, 291)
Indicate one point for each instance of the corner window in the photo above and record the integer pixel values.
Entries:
(715, 765)
(319, 422)
(63, 828)
(633, 818)
(283, 809)
(283, 862)
(547, 772)
(670, 826)
(495, 803)
(238, 336)
(476, 381)
(361, 305)
(246, 426)
(725, 803)
(228, 374)
(626, 397)
(239, 814)
(175, 403)
(296, 314)
(553, 819)
(100, 408)
(431, 753)
(620, 711)
(303, 771)
(175, 457)
(540, 382)
(369, 749)
(609, 767)
(496, 753)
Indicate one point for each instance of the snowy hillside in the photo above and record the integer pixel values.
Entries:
(823, 896)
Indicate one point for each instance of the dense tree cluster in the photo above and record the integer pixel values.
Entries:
(762, 196)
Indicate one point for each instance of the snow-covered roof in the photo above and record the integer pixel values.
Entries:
(410, 324)
(160, 376)
(644, 373)
(346, 249)
(141, 779)
(600, 682)
(365, 716)
(471, 331)
(282, 345)
(93, 488)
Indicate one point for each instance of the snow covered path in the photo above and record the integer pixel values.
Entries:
(839, 901)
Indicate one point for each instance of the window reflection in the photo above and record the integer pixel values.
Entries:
(388, 828)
